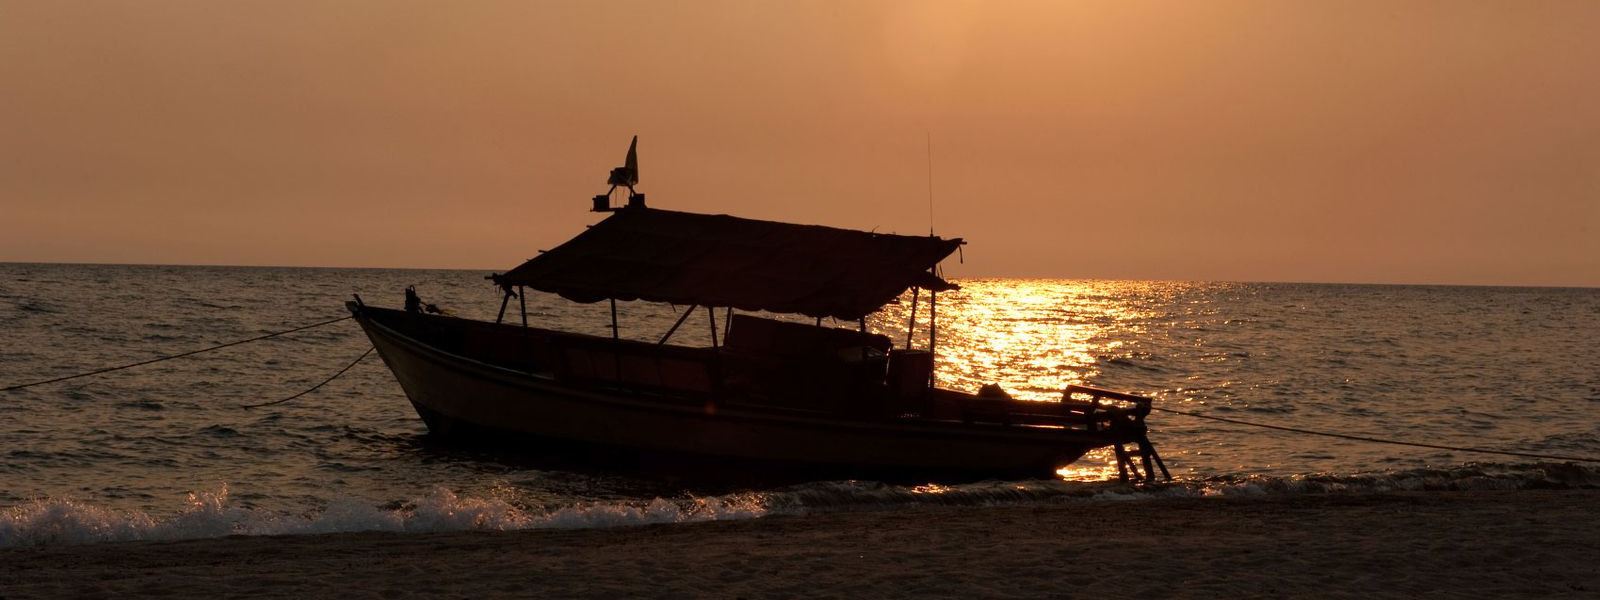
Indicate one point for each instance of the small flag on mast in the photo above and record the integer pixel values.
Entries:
(627, 175)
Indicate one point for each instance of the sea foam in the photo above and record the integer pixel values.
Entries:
(207, 514)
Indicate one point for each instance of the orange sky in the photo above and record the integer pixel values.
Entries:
(1384, 141)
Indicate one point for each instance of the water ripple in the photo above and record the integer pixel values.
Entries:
(1502, 367)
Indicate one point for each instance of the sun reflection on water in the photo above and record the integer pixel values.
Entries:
(1099, 464)
(932, 488)
(1032, 337)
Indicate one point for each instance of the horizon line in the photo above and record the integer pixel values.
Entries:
(968, 277)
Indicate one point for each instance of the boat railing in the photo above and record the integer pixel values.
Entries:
(1102, 401)
(1081, 407)
(1108, 409)
(1099, 395)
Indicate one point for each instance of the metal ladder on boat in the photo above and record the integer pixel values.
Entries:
(1147, 455)
(1126, 427)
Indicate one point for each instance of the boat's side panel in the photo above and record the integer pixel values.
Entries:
(450, 390)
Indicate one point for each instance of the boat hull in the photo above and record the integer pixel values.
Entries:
(462, 398)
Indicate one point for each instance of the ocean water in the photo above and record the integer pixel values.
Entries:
(167, 450)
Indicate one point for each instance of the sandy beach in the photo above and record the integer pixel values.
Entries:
(1442, 544)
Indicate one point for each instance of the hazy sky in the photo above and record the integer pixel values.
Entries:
(1385, 141)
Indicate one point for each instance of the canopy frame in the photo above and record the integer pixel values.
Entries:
(685, 259)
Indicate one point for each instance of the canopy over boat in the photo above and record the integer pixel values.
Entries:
(641, 253)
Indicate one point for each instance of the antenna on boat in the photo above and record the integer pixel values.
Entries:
(930, 183)
(626, 176)
(933, 295)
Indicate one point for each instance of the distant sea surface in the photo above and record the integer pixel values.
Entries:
(166, 450)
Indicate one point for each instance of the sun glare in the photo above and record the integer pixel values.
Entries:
(1099, 464)
(1032, 338)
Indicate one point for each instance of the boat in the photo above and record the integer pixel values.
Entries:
(775, 391)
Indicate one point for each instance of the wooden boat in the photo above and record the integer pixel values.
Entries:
(771, 394)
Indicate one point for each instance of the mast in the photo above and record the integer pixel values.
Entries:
(933, 295)
(933, 337)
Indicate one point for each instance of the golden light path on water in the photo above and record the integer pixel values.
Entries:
(1032, 338)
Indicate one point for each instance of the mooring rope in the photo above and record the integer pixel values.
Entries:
(189, 353)
(1378, 440)
(314, 387)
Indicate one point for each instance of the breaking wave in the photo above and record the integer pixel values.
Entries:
(208, 514)
(854, 495)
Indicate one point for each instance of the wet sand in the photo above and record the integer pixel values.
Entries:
(1519, 544)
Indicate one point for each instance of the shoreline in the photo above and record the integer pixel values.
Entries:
(1524, 543)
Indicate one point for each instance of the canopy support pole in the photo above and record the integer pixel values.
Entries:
(503, 302)
(522, 299)
(933, 337)
(615, 337)
(911, 323)
(715, 364)
(711, 313)
(727, 323)
(863, 342)
(614, 333)
(681, 319)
